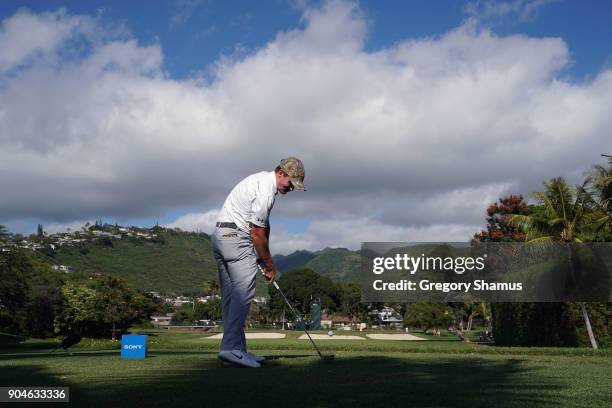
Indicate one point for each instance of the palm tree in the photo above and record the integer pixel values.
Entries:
(566, 218)
(213, 287)
(599, 183)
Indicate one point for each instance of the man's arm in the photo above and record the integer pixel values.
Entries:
(260, 237)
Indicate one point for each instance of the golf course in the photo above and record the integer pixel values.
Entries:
(182, 369)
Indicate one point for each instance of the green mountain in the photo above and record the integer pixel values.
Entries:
(294, 260)
(339, 264)
(172, 263)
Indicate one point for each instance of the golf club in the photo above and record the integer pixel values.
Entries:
(328, 357)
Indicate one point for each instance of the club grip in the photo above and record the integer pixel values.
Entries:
(264, 274)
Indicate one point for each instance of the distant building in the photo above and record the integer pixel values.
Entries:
(162, 320)
(63, 268)
(337, 320)
(392, 322)
(260, 300)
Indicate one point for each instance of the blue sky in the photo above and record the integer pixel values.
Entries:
(212, 52)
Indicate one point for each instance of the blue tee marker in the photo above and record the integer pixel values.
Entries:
(133, 346)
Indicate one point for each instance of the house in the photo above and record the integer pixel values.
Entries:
(162, 320)
(207, 323)
(260, 300)
(63, 268)
(392, 322)
(337, 320)
(386, 313)
(178, 301)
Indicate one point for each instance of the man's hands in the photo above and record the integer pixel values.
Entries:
(260, 236)
(269, 273)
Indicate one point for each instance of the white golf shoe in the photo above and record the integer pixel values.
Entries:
(238, 357)
(255, 357)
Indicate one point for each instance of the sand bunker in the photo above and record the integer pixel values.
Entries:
(327, 337)
(253, 336)
(393, 337)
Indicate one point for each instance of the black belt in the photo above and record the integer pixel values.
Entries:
(227, 225)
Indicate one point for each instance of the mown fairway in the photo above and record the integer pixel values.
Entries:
(182, 370)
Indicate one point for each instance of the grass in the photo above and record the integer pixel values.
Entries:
(182, 369)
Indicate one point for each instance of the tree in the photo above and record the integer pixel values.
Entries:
(113, 302)
(599, 185)
(44, 300)
(118, 307)
(565, 218)
(210, 310)
(498, 226)
(213, 287)
(349, 296)
(78, 309)
(504, 316)
(301, 286)
(471, 311)
(29, 295)
(427, 316)
(183, 317)
(105, 308)
(14, 267)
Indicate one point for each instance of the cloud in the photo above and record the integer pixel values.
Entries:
(46, 33)
(492, 11)
(204, 222)
(350, 233)
(64, 227)
(412, 138)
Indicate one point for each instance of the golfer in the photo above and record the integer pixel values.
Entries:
(239, 240)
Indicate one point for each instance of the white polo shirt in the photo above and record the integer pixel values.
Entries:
(250, 201)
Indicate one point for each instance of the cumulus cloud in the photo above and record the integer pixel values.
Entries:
(46, 33)
(411, 138)
(204, 222)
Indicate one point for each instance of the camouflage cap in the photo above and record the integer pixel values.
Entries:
(295, 170)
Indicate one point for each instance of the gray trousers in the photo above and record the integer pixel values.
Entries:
(237, 263)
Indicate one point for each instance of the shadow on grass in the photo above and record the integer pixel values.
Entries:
(348, 381)
(24, 345)
(31, 375)
(76, 354)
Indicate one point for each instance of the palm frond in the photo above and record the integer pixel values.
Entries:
(548, 205)
(541, 240)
